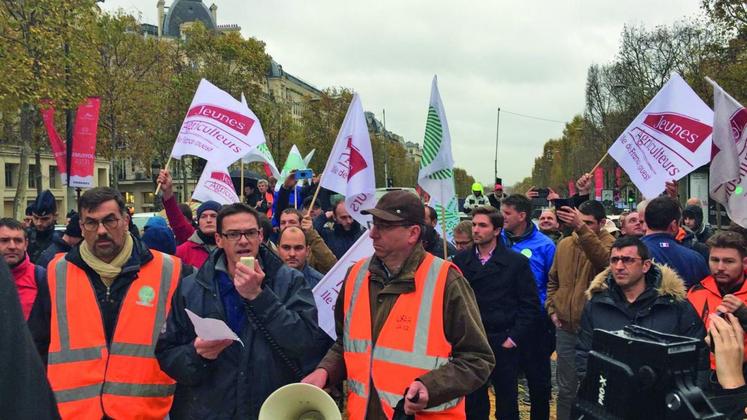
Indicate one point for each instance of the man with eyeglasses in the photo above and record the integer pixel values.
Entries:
(408, 328)
(109, 298)
(635, 290)
(43, 217)
(195, 244)
(269, 306)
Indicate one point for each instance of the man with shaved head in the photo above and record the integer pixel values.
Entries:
(294, 252)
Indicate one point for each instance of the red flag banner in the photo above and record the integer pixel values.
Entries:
(55, 141)
(84, 144)
(571, 188)
(598, 183)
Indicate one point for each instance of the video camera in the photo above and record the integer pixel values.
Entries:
(637, 373)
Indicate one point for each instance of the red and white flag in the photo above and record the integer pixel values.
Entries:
(728, 175)
(670, 138)
(215, 184)
(217, 127)
(350, 167)
(328, 288)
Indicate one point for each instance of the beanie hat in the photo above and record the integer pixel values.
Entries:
(155, 221)
(694, 212)
(73, 228)
(160, 238)
(208, 205)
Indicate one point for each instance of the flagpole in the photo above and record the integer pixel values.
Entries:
(600, 162)
(158, 188)
(316, 193)
(443, 230)
(242, 180)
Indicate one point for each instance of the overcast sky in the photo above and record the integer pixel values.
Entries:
(527, 57)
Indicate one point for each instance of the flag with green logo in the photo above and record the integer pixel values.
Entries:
(293, 162)
(436, 174)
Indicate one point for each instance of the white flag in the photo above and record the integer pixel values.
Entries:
(262, 154)
(307, 158)
(217, 127)
(729, 165)
(326, 291)
(436, 174)
(293, 162)
(670, 138)
(350, 166)
(215, 184)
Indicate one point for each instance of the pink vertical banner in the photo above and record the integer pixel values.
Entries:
(55, 141)
(84, 143)
(598, 183)
(618, 177)
(571, 188)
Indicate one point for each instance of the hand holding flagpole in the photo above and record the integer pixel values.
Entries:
(158, 187)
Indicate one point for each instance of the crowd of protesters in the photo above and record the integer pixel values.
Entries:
(108, 308)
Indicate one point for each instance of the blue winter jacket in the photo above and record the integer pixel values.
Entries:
(689, 264)
(540, 250)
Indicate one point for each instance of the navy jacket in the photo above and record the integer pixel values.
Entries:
(235, 385)
(339, 240)
(505, 291)
(57, 246)
(688, 264)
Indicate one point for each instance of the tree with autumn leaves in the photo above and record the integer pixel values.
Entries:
(67, 50)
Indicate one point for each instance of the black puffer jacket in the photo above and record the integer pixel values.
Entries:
(235, 385)
(661, 307)
(39, 240)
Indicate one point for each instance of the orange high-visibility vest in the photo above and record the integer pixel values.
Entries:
(411, 343)
(90, 380)
(705, 298)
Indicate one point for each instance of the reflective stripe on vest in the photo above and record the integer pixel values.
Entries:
(79, 373)
(419, 360)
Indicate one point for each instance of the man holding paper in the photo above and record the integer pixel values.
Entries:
(268, 306)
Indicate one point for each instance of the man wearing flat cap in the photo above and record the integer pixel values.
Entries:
(44, 215)
(407, 325)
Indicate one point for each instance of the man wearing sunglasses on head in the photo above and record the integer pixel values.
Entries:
(634, 290)
(269, 306)
(109, 298)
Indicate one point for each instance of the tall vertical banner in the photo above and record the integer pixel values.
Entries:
(436, 175)
(84, 144)
(217, 127)
(350, 167)
(598, 183)
(670, 138)
(55, 141)
(215, 184)
(728, 175)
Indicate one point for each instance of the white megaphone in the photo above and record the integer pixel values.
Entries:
(299, 402)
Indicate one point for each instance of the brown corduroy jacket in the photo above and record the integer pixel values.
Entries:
(472, 360)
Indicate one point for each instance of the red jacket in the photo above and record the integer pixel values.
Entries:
(23, 274)
(193, 251)
(705, 298)
(179, 224)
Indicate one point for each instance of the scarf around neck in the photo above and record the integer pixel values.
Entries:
(108, 271)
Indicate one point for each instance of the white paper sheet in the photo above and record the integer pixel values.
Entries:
(211, 328)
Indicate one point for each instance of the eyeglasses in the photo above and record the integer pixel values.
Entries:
(625, 260)
(387, 226)
(93, 225)
(235, 235)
